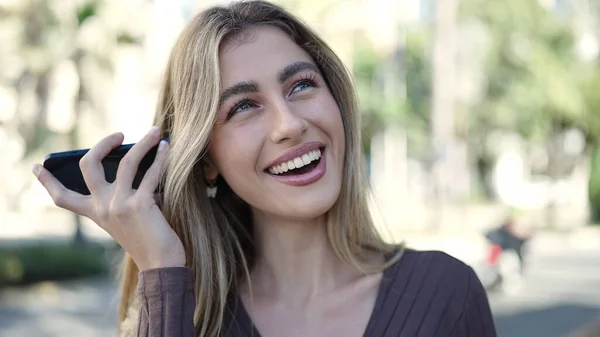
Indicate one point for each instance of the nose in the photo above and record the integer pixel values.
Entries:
(287, 124)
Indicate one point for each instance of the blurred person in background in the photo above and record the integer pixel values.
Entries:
(262, 226)
(506, 259)
(511, 235)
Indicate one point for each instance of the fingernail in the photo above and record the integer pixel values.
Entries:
(36, 170)
(155, 129)
(162, 145)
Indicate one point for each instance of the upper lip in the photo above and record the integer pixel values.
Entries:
(296, 151)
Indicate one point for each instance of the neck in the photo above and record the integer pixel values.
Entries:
(295, 261)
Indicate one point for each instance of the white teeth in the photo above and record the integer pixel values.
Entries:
(297, 162)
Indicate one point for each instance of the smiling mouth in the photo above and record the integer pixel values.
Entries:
(299, 165)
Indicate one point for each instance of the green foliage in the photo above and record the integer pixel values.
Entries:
(86, 11)
(594, 186)
(395, 89)
(418, 91)
(124, 38)
(590, 122)
(535, 82)
(533, 76)
(55, 261)
(45, 41)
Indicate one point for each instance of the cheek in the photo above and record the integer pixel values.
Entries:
(330, 117)
(323, 111)
(233, 153)
(335, 127)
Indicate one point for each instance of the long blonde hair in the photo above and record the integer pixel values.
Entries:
(217, 234)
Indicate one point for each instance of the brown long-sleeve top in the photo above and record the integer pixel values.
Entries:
(425, 294)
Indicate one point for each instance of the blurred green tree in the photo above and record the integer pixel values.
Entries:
(396, 89)
(48, 34)
(594, 186)
(590, 90)
(534, 79)
(534, 82)
(532, 71)
(591, 120)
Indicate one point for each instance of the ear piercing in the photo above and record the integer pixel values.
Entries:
(211, 191)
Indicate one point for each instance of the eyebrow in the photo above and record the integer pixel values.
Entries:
(294, 68)
(282, 76)
(238, 89)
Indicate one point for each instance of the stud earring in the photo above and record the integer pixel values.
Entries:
(211, 191)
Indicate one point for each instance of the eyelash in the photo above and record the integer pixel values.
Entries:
(309, 79)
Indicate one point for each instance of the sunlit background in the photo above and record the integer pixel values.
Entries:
(475, 113)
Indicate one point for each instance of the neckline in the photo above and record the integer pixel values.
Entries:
(245, 321)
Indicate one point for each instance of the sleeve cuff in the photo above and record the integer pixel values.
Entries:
(158, 281)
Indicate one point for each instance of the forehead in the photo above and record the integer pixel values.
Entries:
(256, 53)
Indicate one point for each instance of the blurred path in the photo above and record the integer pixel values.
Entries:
(561, 295)
(82, 308)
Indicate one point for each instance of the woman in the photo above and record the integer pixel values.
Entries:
(263, 227)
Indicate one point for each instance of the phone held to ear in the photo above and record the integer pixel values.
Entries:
(65, 166)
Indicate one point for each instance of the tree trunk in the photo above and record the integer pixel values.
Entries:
(555, 157)
(78, 236)
(442, 103)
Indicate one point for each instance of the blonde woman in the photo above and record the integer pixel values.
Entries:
(263, 227)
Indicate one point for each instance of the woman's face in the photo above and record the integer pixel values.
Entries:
(279, 137)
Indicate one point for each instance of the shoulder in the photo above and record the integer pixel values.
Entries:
(427, 265)
(433, 278)
(430, 293)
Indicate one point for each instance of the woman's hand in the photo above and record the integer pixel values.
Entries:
(132, 217)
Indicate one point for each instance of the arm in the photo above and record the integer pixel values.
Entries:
(476, 318)
(167, 302)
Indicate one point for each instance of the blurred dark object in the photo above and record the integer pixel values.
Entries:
(591, 330)
(52, 262)
(506, 258)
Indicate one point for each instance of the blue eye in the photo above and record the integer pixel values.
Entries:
(304, 84)
(240, 107)
(301, 86)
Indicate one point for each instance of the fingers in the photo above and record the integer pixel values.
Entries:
(91, 166)
(152, 176)
(129, 164)
(62, 197)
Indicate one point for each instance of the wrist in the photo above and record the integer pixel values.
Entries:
(166, 263)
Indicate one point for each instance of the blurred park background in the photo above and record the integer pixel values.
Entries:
(474, 111)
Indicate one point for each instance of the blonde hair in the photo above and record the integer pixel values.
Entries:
(217, 233)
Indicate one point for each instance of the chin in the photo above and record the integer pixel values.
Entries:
(302, 207)
(311, 208)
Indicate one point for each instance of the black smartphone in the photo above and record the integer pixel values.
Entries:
(65, 166)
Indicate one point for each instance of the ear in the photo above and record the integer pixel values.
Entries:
(210, 170)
